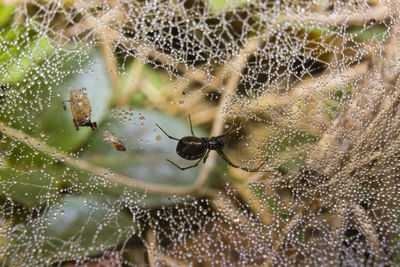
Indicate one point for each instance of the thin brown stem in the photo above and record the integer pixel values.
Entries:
(294, 222)
(74, 161)
(151, 247)
(112, 70)
(237, 65)
(339, 18)
(370, 233)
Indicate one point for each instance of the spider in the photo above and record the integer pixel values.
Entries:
(193, 147)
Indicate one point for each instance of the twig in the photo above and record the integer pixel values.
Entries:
(291, 225)
(379, 13)
(370, 233)
(74, 161)
(237, 64)
(150, 247)
(270, 105)
(101, 31)
(229, 209)
(133, 79)
(112, 69)
(355, 161)
(156, 258)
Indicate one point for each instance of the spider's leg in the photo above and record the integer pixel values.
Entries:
(206, 156)
(182, 169)
(224, 157)
(63, 104)
(171, 137)
(191, 128)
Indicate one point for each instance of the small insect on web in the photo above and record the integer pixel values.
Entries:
(193, 147)
(110, 138)
(80, 109)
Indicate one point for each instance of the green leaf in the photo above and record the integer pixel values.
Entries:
(57, 123)
(145, 155)
(6, 13)
(147, 149)
(38, 111)
(84, 214)
(34, 52)
(223, 5)
(31, 188)
(293, 165)
(92, 224)
(287, 139)
(274, 205)
(379, 33)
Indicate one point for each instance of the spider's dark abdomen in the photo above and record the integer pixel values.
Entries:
(191, 147)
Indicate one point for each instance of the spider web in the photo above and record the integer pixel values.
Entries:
(310, 88)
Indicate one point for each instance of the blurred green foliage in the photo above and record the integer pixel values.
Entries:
(221, 5)
(75, 226)
(275, 208)
(6, 13)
